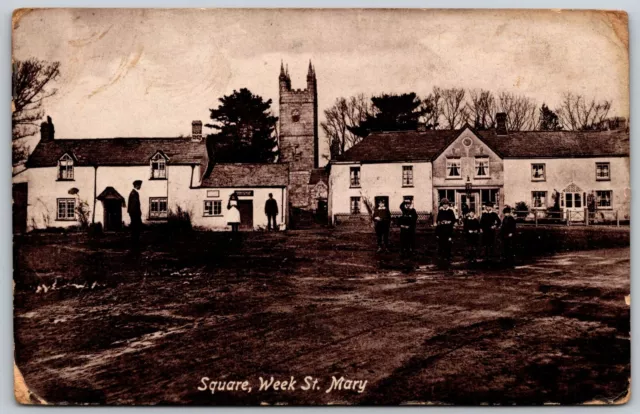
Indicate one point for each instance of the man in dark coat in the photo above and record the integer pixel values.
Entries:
(472, 234)
(445, 221)
(489, 222)
(382, 221)
(508, 232)
(135, 214)
(271, 210)
(408, 222)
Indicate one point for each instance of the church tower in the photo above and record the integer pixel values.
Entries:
(299, 133)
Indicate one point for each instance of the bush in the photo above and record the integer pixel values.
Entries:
(521, 209)
(179, 220)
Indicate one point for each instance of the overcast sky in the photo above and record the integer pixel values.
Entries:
(151, 72)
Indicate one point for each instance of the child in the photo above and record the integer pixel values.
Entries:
(233, 215)
(444, 231)
(508, 231)
(407, 223)
(382, 221)
(472, 233)
(489, 222)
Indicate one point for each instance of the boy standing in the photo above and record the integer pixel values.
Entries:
(382, 221)
(489, 222)
(508, 231)
(407, 223)
(472, 233)
(444, 230)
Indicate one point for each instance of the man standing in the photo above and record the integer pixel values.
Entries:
(444, 231)
(408, 222)
(135, 214)
(382, 222)
(271, 210)
(489, 222)
(508, 231)
(472, 234)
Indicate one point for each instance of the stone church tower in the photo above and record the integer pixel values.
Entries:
(299, 134)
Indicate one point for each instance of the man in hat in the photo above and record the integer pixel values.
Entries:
(382, 222)
(407, 224)
(489, 222)
(135, 214)
(444, 230)
(472, 234)
(271, 210)
(508, 231)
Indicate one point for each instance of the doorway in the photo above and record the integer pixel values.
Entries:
(246, 214)
(112, 214)
(573, 202)
(469, 202)
(20, 197)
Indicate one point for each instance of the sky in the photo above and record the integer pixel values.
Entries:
(150, 72)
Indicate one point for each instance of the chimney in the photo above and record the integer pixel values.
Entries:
(196, 131)
(47, 131)
(501, 123)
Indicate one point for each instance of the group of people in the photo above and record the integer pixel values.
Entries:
(478, 232)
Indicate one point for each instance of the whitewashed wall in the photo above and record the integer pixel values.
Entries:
(562, 172)
(379, 179)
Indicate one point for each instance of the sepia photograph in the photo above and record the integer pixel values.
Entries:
(378, 207)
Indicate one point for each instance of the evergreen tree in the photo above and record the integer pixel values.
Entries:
(549, 120)
(392, 113)
(245, 129)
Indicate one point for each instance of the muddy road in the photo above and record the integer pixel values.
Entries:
(122, 329)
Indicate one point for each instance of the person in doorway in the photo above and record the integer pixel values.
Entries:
(271, 210)
(135, 215)
(382, 222)
(489, 222)
(445, 221)
(508, 231)
(407, 223)
(472, 234)
(233, 215)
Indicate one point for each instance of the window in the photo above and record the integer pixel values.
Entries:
(482, 167)
(573, 200)
(158, 167)
(158, 207)
(489, 196)
(355, 176)
(295, 115)
(407, 176)
(355, 205)
(603, 199)
(538, 172)
(65, 167)
(66, 209)
(212, 208)
(539, 199)
(603, 171)
(448, 194)
(453, 168)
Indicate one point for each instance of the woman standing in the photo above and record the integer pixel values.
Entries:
(233, 215)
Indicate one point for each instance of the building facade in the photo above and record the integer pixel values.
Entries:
(583, 170)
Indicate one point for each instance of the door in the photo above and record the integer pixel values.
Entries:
(574, 206)
(471, 202)
(20, 197)
(246, 214)
(112, 214)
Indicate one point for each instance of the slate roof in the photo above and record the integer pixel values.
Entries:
(247, 175)
(319, 174)
(427, 145)
(117, 151)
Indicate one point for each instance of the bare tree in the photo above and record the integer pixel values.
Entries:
(432, 107)
(521, 111)
(30, 80)
(346, 114)
(454, 110)
(481, 108)
(580, 114)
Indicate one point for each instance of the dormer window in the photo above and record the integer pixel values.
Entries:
(158, 167)
(65, 167)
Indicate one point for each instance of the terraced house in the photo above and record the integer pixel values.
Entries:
(474, 167)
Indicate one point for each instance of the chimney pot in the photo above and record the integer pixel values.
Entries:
(501, 123)
(47, 131)
(196, 131)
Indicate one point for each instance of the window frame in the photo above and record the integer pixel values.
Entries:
(543, 205)
(69, 165)
(407, 179)
(358, 201)
(213, 203)
(458, 161)
(608, 164)
(447, 191)
(158, 159)
(355, 179)
(160, 215)
(488, 167)
(489, 191)
(544, 172)
(66, 200)
(610, 206)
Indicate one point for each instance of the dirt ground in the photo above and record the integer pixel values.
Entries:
(109, 327)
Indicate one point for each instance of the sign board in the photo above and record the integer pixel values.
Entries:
(244, 193)
(213, 193)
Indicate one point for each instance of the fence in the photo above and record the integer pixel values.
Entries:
(582, 217)
(425, 219)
